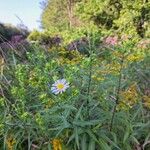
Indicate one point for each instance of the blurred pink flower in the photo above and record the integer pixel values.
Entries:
(124, 37)
(111, 40)
(144, 44)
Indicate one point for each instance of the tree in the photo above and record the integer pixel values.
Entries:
(131, 17)
(54, 14)
(59, 14)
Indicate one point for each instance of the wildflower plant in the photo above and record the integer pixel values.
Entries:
(79, 104)
(59, 86)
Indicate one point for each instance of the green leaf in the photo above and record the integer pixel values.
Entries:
(91, 134)
(84, 142)
(86, 123)
(126, 136)
(80, 131)
(49, 146)
(104, 145)
(77, 136)
(110, 141)
(91, 144)
(79, 112)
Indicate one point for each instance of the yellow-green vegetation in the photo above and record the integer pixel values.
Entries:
(82, 83)
(62, 99)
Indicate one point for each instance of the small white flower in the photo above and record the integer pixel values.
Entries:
(59, 86)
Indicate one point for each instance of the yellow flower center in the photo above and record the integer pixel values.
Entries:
(60, 86)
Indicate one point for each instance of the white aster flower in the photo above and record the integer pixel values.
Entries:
(59, 86)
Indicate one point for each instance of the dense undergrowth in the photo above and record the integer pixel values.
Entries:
(107, 104)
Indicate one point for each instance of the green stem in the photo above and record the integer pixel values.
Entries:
(89, 86)
(117, 95)
(90, 77)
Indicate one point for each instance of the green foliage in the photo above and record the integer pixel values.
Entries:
(81, 117)
(121, 16)
(53, 13)
(106, 105)
(34, 35)
(115, 16)
(59, 14)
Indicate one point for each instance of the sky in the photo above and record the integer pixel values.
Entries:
(28, 11)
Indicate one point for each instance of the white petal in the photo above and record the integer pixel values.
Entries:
(54, 91)
(58, 81)
(66, 85)
(64, 89)
(53, 87)
(63, 81)
(57, 92)
(54, 84)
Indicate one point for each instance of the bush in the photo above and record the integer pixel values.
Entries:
(8, 31)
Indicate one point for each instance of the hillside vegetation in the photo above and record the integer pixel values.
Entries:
(82, 83)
